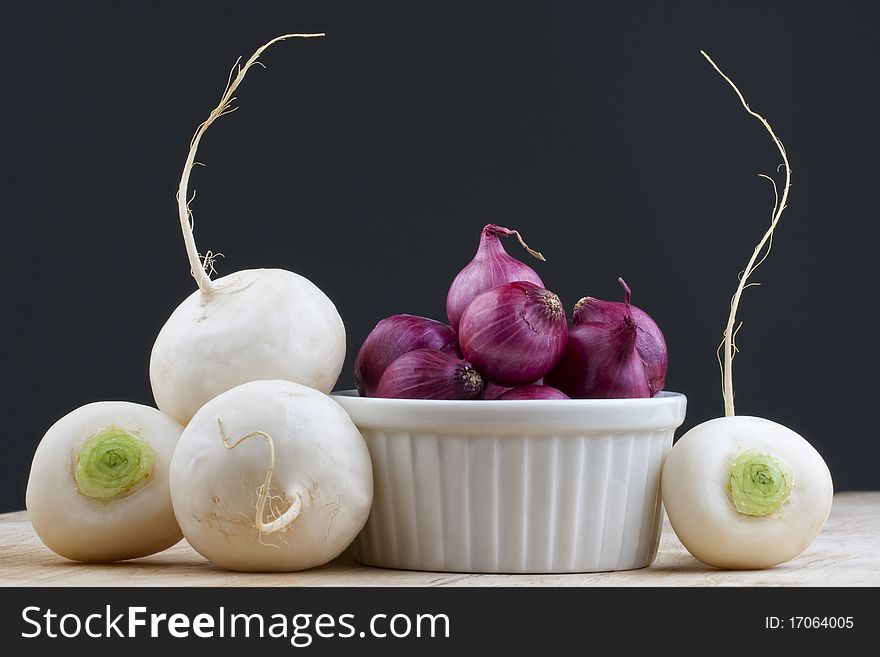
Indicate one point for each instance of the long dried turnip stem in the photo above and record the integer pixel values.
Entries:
(200, 268)
(779, 205)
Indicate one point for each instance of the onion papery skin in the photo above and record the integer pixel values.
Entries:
(514, 333)
(430, 374)
(650, 342)
(601, 362)
(532, 392)
(393, 337)
(491, 266)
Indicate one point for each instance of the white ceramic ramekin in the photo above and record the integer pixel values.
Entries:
(534, 486)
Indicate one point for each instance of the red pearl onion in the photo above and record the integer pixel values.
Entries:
(650, 342)
(491, 266)
(430, 374)
(393, 337)
(513, 333)
(602, 360)
(494, 391)
(533, 392)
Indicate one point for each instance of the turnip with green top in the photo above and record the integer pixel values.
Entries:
(745, 492)
(98, 486)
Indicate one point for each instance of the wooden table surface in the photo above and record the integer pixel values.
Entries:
(846, 553)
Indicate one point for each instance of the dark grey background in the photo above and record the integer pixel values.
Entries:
(369, 161)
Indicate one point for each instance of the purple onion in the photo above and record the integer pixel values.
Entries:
(602, 359)
(490, 267)
(513, 333)
(533, 392)
(430, 374)
(494, 391)
(393, 337)
(650, 342)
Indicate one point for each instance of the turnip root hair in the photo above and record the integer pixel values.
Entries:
(762, 250)
(202, 267)
(279, 521)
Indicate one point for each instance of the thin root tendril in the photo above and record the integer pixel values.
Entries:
(759, 255)
(224, 107)
(279, 521)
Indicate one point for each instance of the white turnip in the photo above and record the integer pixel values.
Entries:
(98, 486)
(745, 492)
(271, 476)
(246, 326)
